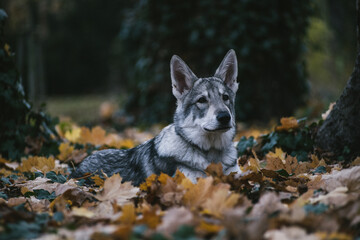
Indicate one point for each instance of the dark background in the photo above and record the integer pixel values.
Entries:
(294, 56)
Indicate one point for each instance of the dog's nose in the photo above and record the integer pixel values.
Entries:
(223, 117)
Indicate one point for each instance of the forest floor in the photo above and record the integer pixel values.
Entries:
(288, 190)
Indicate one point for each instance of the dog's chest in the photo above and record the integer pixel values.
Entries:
(169, 144)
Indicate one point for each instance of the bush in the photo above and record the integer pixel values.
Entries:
(266, 35)
(19, 124)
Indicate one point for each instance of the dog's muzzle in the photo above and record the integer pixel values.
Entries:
(223, 118)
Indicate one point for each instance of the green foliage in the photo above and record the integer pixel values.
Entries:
(23, 229)
(56, 177)
(298, 142)
(18, 121)
(245, 145)
(266, 35)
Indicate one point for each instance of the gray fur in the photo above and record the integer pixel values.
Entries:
(202, 132)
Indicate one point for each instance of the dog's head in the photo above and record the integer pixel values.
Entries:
(205, 106)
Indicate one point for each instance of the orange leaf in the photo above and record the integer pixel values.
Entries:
(128, 214)
(287, 124)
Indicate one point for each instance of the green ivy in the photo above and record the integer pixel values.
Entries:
(18, 121)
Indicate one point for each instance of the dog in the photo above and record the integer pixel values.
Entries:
(202, 132)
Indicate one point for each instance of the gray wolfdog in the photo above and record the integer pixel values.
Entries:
(202, 132)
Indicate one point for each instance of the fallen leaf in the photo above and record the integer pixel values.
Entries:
(82, 212)
(114, 190)
(338, 197)
(150, 218)
(128, 214)
(65, 151)
(205, 228)
(174, 218)
(149, 181)
(198, 193)
(98, 181)
(268, 203)
(34, 164)
(252, 165)
(220, 201)
(290, 233)
(73, 135)
(349, 178)
(287, 124)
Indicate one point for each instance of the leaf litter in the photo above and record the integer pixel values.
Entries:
(276, 197)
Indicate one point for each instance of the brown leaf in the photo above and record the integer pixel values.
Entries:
(170, 193)
(349, 178)
(114, 190)
(268, 203)
(174, 218)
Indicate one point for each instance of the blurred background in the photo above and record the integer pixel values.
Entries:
(96, 61)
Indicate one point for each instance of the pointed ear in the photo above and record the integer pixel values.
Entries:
(228, 70)
(182, 77)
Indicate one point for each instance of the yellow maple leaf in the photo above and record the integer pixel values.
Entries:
(33, 164)
(65, 151)
(220, 201)
(73, 135)
(122, 143)
(279, 153)
(179, 177)
(150, 218)
(287, 124)
(128, 214)
(149, 180)
(163, 178)
(24, 190)
(122, 232)
(333, 235)
(98, 181)
(198, 193)
(253, 165)
(205, 227)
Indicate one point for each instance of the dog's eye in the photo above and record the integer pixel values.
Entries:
(225, 97)
(202, 100)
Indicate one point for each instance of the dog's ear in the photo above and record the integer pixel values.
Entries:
(182, 77)
(228, 70)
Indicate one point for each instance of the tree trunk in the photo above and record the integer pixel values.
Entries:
(340, 132)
